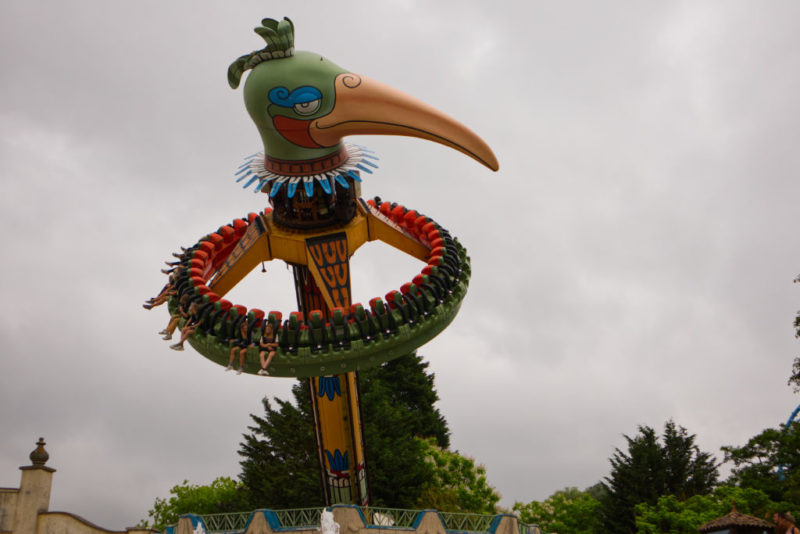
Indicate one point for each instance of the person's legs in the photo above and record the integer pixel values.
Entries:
(230, 360)
(265, 364)
(242, 352)
(171, 326)
(185, 333)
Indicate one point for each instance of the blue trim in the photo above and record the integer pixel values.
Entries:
(309, 186)
(249, 519)
(245, 175)
(326, 185)
(272, 520)
(275, 186)
(292, 189)
(368, 162)
(360, 166)
(354, 175)
(196, 520)
(302, 95)
(250, 182)
(495, 523)
(781, 474)
(243, 168)
(421, 514)
(261, 184)
(330, 386)
(342, 181)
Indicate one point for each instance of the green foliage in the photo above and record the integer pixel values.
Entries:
(279, 462)
(670, 515)
(756, 463)
(651, 469)
(456, 483)
(407, 462)
(279, 459)
(794, 379)
(222, 495)
(405, 382)
(567, 511)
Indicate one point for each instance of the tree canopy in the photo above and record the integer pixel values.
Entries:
(279, 464)
(770, 462)
(222, 495)
(671, 515)
(567, 511)
(455, 484)
(651, 468)
(279, 459)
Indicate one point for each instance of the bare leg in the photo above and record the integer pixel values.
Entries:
(241, 360)
(230, 360)
(171, 326)
(265, 364)
(185, 333)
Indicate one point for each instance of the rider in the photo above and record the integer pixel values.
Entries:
(267, 345)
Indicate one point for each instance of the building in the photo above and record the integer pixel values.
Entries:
(26, 509)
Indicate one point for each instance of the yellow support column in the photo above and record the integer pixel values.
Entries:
(324, 285)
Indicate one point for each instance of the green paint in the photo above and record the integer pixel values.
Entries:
(302, 69)
(359, 356)
(278, 65)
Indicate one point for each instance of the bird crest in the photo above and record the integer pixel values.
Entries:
(279, 36)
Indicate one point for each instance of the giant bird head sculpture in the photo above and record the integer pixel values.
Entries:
(304, 105)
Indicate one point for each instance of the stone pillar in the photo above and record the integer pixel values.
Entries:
(34, 491)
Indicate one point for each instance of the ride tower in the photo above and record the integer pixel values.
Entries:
(303, 106)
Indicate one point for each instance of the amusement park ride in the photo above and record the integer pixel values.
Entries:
(303, 105)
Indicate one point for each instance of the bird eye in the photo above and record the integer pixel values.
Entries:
(307, 108)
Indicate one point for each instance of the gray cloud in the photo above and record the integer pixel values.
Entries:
(632, 260)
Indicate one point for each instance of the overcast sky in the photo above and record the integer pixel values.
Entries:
(632, 260)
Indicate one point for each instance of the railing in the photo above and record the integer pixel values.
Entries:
(389, 517)
(528, 529)
(232, 522)
(309, 518)
(299, 517)
(467, 522)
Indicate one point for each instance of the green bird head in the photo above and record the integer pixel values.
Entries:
(303, 105)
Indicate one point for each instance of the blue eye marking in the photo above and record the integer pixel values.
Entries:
(282, 97)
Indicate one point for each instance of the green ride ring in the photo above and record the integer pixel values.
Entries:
(312, 346)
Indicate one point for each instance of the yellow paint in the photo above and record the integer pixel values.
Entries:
(290, 246)
(249, 252)
(333, 417)
(381, 230)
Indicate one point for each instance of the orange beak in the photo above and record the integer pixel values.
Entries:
(368, 107)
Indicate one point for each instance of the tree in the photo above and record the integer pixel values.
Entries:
(567, 511)
(651, 469)
(456, 483)
(671, 515)
(279, 458)
(410, 387)
(279, 462)
(770, 462)
(794, 379)
(222, 495)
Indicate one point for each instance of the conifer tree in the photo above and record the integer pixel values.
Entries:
(279, 462)
(650, 469)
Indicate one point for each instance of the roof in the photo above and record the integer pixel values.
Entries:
(735, 519)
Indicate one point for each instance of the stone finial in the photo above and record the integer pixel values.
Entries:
(39, 456)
